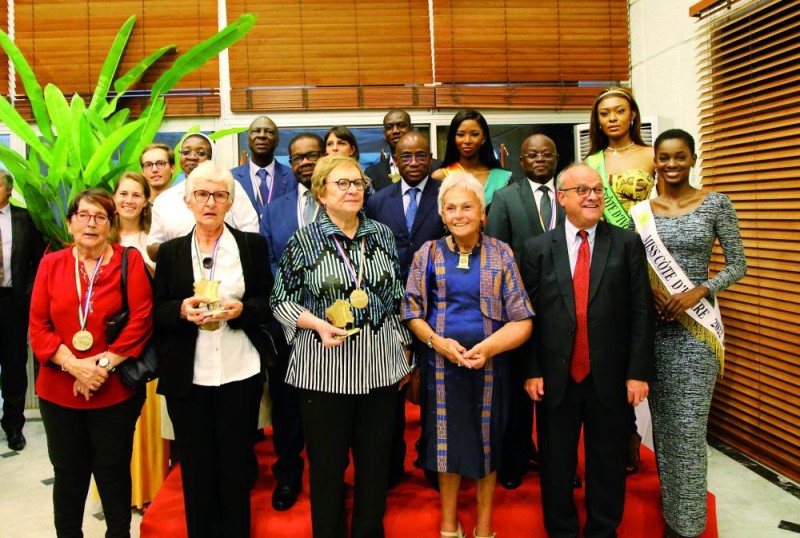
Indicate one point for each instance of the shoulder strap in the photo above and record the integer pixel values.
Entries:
(124, 279)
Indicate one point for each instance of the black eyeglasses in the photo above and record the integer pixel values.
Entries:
(408, 158)
(220, 197)
(583, 190)
(546, 155)
(201, 153)
(312, 156)
(153, 165)
(344, 184)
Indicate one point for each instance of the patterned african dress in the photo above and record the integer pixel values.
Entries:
(464, 411)
(686, 368)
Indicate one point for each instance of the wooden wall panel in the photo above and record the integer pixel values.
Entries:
(66, 42)
(750, 105)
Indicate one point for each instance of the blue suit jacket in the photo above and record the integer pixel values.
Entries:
(282, 183)
(386, 206)
(278, 224)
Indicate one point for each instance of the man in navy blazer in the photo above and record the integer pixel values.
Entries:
(590, 355)
(21, 246)
(264, 179)
(390, 206)
(282, 217)
(519, 212)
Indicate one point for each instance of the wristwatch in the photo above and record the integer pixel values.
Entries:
(103, 362)
(430, 340)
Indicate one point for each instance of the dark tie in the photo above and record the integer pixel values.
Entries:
(579, 366)
(411, 210)
(262, 186)
(545, 207)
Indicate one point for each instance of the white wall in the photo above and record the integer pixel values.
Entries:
(663, 65)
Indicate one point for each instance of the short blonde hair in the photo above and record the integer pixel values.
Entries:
(210, 171)
(328, 164)
(465, 181)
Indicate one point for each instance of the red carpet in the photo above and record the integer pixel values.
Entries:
(413, 508)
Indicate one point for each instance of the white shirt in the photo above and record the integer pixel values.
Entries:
(139, 242)
(172, 218)
(537, 194)
(574, 242)
(224, 355)
(404, 189)
(5, 230)
(256, 181)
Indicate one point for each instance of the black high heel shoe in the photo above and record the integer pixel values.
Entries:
(634, 456)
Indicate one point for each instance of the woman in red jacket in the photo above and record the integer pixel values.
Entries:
(88, 414)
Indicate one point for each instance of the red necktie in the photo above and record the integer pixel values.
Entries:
(579, 366)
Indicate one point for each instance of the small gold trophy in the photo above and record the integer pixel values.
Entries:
(339, 315)
(209, 289)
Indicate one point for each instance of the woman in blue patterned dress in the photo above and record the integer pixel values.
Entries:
(465, 300)
(681, 227)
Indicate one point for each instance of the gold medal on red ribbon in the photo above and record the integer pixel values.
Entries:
(359, 298)
(82, 340)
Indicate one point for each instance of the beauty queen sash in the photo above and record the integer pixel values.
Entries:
(614, 211)
(703, 320)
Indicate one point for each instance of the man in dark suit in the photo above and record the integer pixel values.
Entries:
(383, 173)
(263, 178)
(284, 216)
(590, 355)
(523, 210)
(21, 249)
(395, 207)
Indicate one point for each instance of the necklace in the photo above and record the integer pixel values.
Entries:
(612, 149)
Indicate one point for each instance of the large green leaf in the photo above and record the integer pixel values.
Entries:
(222, 133)
(32, 88)
(20, 127)
(111, 65)
(62, 121)
(17, 165)
(201, 53)
(119, 119)
(152, 117)
(100, 161)
(124, 83)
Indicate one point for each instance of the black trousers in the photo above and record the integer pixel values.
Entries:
(397, 456)
(605, 433)
(82, 442)
(214, 430)
(518, 440)
(13, 361)
(333, 424)
(287, 424)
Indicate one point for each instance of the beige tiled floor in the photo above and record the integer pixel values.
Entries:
(748, 506)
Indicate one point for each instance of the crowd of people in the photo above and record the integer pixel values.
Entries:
(573, 296)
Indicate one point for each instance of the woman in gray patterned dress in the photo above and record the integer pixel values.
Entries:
(688, 222)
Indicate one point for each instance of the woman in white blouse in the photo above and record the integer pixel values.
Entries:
(211, 291)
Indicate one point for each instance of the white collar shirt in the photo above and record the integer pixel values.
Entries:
(5, 232)
(574, 242)
(224, 355)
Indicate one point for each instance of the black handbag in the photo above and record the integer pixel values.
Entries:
(134, 372)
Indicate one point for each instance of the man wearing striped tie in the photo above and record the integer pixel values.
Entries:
(523, 210)
(591, 353)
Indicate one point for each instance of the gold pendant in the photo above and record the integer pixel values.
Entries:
(463, 260)
(359, 298)
(82, 340)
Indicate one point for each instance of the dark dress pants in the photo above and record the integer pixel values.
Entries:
(214, 429)
(13, 361)
(605, 432)
(334, 423)
(518, 440)
(82, 442)
(287, 425)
